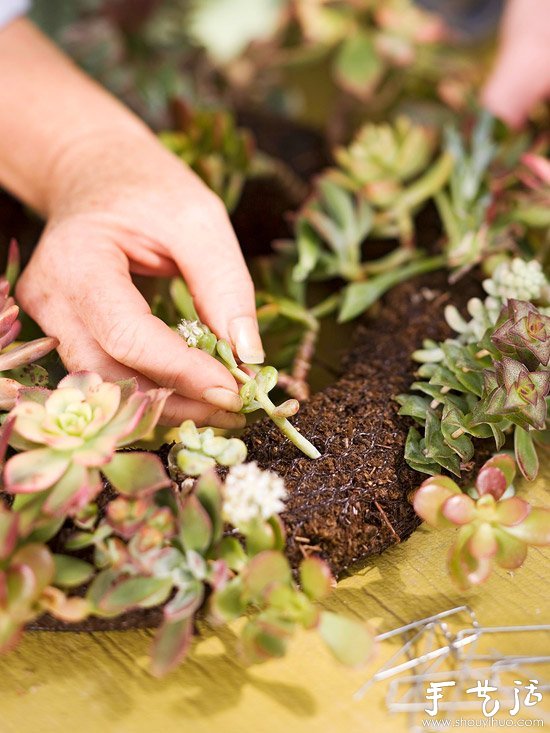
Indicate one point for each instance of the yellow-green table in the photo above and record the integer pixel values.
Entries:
(97, 682)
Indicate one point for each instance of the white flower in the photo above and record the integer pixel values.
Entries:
(191, 331)
(518, 279)
(249, 492)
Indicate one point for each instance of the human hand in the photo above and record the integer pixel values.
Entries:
(521, 75)
(121, 204)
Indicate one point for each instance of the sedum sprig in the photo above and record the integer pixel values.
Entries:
(495, 527)
(200, 450)
(255, 389)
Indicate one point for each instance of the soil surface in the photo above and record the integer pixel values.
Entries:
(352, 502)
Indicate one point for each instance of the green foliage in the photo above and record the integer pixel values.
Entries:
(69, 437)
(482, 390)
(495, 527)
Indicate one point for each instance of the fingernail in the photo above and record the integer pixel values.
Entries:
(223, 398)
(245, 336)
(227, 420)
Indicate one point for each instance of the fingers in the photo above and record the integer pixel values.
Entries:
(521, 75)
(210, 259)
(80, 352)
(94, 286)
(119, 319)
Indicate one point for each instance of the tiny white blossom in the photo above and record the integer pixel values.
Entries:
(191, 331)
(518, 279)
(250, 493)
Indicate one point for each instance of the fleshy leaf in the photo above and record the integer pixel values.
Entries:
(349, 641)
(134, 473)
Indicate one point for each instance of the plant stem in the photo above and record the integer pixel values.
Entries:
(282, 423)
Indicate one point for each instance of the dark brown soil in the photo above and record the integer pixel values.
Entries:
(353, 501)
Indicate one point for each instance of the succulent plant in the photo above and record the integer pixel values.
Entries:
(199, 450)
(515, 279)
(482, 390)
(255, 389)
(464, 205)
(495, 527)
(28, 573)
(170, 547)
(16, 362)
(219, 152)
(69, 437)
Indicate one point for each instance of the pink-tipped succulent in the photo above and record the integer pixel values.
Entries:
(15, 362)
(70, 435)
(494, 527)
(523, 331)
(28, 570)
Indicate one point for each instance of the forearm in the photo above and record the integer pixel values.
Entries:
(49, 110)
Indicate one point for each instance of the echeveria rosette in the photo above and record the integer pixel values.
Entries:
(494, 527)
(69, 437)
(200, 450)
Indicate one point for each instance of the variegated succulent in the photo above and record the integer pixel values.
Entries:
(495, 527)
(69, 437)
(489, 389)
(170, 548)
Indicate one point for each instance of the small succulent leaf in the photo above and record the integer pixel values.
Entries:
(511, 552)
(349, 641)
(308, 250)
(491, 480)
(505, 463)
(267, 378)
(134, 592)
(231, 550)
(9, 532)
(39, 559)
(263, 570)
(316, 578)
(186, 601)
(483, 543)
(228, 603)
(196, 530)
(70, 572)
(264, 639)
(171, 645)
(429, 498)
(512, 511)
(208, 492)
(359, 67)
(34, 470)
(534, 529)
(526, 453)
(459, 509)
(259, 537)
(135, 473)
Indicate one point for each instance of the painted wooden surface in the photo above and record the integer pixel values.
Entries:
(97, 682)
